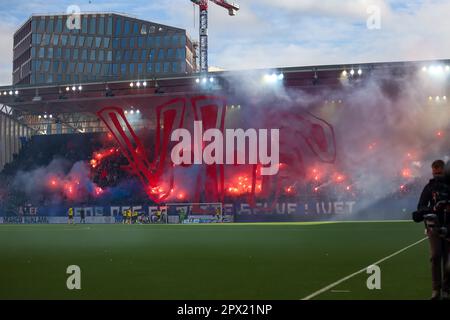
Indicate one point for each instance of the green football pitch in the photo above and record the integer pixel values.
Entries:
(215, 261)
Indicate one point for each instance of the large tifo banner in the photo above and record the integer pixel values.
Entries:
(232, 212)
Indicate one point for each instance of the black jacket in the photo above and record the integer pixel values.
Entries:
(437, 189)
(426, 201)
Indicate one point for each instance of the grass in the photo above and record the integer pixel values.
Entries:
(223, 261)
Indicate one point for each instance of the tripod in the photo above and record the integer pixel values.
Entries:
(439, 226)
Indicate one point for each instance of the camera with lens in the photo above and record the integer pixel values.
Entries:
(433, 222)
(437, 218)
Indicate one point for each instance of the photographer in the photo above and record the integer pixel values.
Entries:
(431, 209)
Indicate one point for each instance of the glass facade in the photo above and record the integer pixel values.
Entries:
(107, 47)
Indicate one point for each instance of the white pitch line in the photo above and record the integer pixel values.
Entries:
(312, 295)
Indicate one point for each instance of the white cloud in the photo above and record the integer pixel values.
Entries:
(337, 8)
(333, 32)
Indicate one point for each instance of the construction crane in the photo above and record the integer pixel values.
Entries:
(203, 4)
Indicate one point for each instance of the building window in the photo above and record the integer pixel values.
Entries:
(140, 68)
(115, 43)
(109, 56)
(175, 67)
(55, 66)
(166, 41)
(50, 25)
(101, 55)
(118, 26)
(144, 29)
(115, 69)
(101, 25)
(135, 55)
(89, 68)
(81, 41)
(105, 68)
(124, 43)
(140, 42)
(132, 68)
(150, 41)
(46, 65)
(149, 67)
(58, 53)
(175, 41)
(93, 25)
(127, 56)
(181, 54)
(68, 54)
(98, 42)
(144, 55)
(38, 65)
(166, 67)
(50, 53)
(72, 67)
(55, 39)
(161, 54)
(81, 67)
(157, 41)
(123, 69)
(132, 43)
(157, 67)
(64, 40)
(183, 40)
(64, 67)
(118, 55)
(59, 25)
(105, 42)
(75, 54)
(136, 28)
(46, 39)
(97, 68)
(41, 27)
(36, 38)
(170, 53)
(41, 52)
(92, 56)
(89, 41)
(73, 40)
(152, 55)
(127, 27)
(84, 23)
(109, 31)
(84, 55)
(183, 66)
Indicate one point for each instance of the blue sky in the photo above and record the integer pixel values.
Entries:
(275, 33)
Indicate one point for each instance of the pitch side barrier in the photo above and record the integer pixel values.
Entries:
(174, 213)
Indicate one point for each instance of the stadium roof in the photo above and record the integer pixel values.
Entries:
(93, 96)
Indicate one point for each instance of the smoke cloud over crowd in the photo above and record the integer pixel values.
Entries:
(371, 137)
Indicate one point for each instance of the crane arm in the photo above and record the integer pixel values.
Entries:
(231, 7)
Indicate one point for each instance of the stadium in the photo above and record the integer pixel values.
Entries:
(356, 142)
